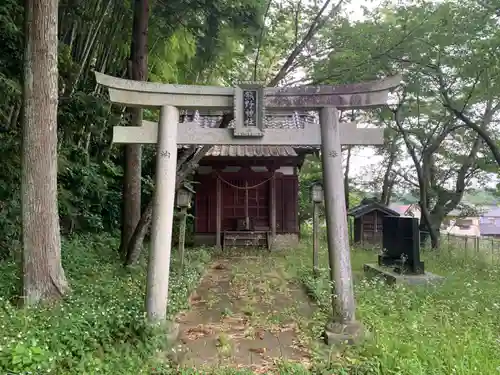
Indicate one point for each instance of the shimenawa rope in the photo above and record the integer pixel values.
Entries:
(245, 187)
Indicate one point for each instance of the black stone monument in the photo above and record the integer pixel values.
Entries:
(401, 245)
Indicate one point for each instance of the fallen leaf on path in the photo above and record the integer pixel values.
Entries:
(240, 327)
(238, 320)
(260, 334)
(194, 333)
(262, 369)
(288, 327)
(195, 298)
(258, 350)
(235, 336)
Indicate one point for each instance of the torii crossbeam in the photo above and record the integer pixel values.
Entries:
(253, 105)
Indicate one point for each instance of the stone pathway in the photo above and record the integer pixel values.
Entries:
(245, 314)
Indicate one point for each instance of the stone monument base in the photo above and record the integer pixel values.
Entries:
(344, 333)
(391, 277)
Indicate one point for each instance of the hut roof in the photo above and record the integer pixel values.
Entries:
(368, 206)
(493, 212)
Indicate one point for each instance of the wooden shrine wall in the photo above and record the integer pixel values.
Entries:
(233, 201)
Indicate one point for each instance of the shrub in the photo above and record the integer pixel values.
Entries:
(100, 326)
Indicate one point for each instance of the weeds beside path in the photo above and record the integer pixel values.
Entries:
(98, 329)
(451, 328)
(252, 313)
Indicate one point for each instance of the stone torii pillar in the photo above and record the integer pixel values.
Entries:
(344, 326)
(253, 106)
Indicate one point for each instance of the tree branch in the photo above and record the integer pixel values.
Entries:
(459, 114)
(316, 24)
(261, 39)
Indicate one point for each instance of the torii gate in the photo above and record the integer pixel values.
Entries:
(252, 105)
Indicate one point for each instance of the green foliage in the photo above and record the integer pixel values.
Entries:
(311, 172)
(189, 234)
(100, 328)
(11, 14)
(437, 65)
(449, 328)
(96, 34)
(445, 54)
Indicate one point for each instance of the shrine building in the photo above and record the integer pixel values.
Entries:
(249, 194)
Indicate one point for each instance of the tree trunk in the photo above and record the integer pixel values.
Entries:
(346, 177)
(423, 176)
(43, 275)
(183, 170)
(137, 238)
(390, 189)
(131, 213)
(388, 182)
(424, 182)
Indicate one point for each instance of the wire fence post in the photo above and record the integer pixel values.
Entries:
(449, 247)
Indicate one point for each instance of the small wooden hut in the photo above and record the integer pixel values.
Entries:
(368, 221)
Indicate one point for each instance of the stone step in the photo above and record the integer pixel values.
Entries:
(245, 239)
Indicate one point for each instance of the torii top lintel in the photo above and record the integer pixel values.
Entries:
(148, 94)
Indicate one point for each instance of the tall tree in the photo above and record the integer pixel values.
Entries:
(43, 275)
(447, 53)
(207, 49)
(138, 69)
(346, 176)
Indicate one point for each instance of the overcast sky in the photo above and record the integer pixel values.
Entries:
(363, 159)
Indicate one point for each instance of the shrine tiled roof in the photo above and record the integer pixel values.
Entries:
(281, 120)
(274, 120)
(255, 151)
(251, 151)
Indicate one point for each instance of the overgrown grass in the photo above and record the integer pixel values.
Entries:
(100, 327)
(452, 328)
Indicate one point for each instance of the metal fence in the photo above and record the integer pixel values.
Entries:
(486, 248)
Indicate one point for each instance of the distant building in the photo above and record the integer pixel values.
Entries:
(489, 223)
(408, 210)
(466, 227)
